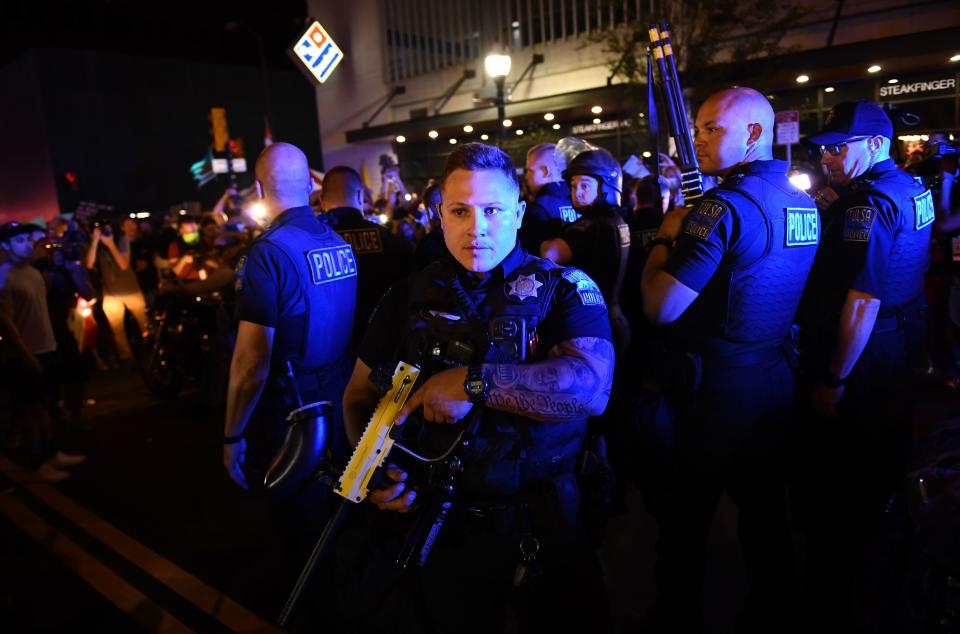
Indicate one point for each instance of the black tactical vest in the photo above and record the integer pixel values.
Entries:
(445, 330)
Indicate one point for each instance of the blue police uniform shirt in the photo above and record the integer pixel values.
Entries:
(300, 278)
(882, 228)
(546, 216)
(577, 309)
(746, 248)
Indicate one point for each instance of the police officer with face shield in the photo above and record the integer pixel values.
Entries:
(730, 272)
(862, 321)
(295, 302)
(599, 241)
(530, 347)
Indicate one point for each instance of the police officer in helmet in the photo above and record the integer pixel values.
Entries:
(540, 363)
(730, 271)
(296, 293)
(599, 241)
(862, 319)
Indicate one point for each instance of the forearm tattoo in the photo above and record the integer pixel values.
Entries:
(573, 383)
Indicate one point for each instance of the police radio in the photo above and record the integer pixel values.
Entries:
(509, 337)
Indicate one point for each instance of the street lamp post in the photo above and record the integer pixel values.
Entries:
(498, 67)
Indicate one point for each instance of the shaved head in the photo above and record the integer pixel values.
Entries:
(734, 126)
(542, 167)
(342, 187)
(284, 177)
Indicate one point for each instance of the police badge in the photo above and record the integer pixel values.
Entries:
(524, 286)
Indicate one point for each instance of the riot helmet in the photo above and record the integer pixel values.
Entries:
(600, 165)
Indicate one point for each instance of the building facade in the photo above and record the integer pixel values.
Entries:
(412, 82)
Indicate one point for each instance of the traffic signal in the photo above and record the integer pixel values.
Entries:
(236, 147)
(218, 122)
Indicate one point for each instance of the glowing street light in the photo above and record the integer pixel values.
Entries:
(498, 67)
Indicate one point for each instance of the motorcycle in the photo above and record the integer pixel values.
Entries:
(180, 342)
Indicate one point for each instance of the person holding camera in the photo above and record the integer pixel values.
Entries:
(121, 290)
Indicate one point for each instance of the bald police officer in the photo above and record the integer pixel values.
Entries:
(297, 288)
(862, 318)
(730, 271)
(549, 208)
(382, 257)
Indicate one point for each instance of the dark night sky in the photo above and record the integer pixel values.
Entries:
(196, 30)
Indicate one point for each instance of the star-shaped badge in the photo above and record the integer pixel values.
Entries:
(524, 286)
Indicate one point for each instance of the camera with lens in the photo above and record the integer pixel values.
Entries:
(69, 251)
(940, 150)
(103, 224)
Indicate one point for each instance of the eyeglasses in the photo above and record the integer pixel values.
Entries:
(834, 148)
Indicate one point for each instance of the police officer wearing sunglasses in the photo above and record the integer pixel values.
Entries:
(862, 319)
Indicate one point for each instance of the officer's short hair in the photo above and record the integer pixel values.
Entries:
(342, 182)
(477, 157)
(537, 150)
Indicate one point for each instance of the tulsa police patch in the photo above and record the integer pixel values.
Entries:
(803, 227)
(702, 220)
(587, 289)
(331, 264)
(858, 223)
(923, 210)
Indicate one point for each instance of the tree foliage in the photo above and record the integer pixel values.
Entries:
(701, 30)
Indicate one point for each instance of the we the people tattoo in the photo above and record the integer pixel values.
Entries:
(574, 382)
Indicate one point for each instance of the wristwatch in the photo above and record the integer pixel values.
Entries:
(664, 241)
(833, 381)
(475, 385)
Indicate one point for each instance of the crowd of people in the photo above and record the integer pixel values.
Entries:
(588, 330)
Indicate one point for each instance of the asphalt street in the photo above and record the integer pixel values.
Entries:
(150, 535)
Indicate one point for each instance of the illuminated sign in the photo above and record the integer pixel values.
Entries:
(918, 87)
(318, 52)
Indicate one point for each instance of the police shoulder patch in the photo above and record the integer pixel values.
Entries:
(858, 223)
(703, 219)
(330, 264)
(923, 210)
(587, 290)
